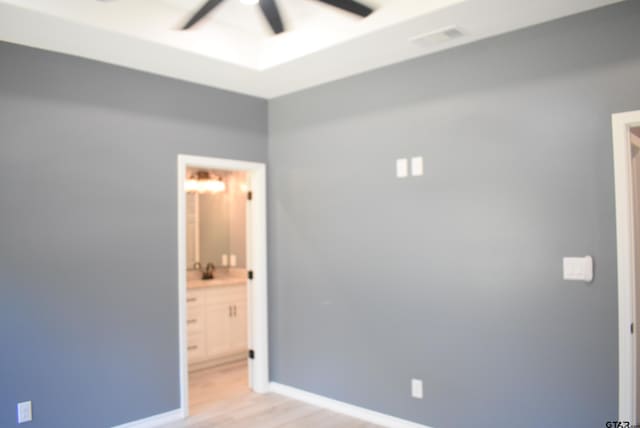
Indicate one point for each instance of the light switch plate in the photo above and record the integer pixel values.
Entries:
(417, 167)
(24, 412)
(416, 388)
(233, 261)
(402, 168)
(577, 268)
(225, 260)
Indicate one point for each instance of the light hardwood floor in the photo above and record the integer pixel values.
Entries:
(220, 398)
(210, 386)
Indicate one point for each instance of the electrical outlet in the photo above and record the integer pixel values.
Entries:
(24, 412)
(416, 388)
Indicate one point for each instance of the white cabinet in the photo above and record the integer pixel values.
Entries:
(216, 323)
(195, 319)
(195, 347)
(217, 337)
(238, 327)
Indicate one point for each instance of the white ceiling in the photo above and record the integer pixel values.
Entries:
(233, 47)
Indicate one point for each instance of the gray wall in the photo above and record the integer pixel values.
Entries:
(455, 277)
(88, 231)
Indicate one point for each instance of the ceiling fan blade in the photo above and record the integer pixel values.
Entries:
(202, 12)
(271, 12)
(350, 6)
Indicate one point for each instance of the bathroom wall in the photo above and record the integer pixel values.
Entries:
(215, 227)
(88, 226)
(222, 223)
(238, 188)
(455, 277)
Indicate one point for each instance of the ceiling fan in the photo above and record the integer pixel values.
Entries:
(272, 14)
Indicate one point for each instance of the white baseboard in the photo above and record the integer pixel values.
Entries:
(155, 421)
(344, 408)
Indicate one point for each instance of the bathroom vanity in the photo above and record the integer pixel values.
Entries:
(216, 321)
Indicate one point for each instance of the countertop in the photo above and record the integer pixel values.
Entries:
(215, 282)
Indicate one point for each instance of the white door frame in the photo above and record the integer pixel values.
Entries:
(622, 124)
(256, 261)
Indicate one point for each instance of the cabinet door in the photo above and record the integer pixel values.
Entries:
(217, 320)
(238, 330)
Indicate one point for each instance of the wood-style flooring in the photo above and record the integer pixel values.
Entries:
(220, 398)
(211, 386)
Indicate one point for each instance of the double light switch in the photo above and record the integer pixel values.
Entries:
(402, 167)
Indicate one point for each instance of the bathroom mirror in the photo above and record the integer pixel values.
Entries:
(216, 221)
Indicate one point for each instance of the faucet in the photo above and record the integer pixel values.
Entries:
(208, 273)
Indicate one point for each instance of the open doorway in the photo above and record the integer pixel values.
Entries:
(626, 146)
(222, 280)
(217, 316)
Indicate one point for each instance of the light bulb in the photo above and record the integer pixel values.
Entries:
(191, 185)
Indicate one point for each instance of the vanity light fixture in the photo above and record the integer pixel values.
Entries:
(204, 182)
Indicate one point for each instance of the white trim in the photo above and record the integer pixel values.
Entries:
(182, 290)
(343, 408)
(154, 421)
(621, 123)
(256, 261)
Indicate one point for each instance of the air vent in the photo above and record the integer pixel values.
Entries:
(436, 37)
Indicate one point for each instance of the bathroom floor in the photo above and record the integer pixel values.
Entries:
(210, 386)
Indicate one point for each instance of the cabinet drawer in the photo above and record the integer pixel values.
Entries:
(195, 347)
(224, 294)
(195, 319)
(195, 298)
